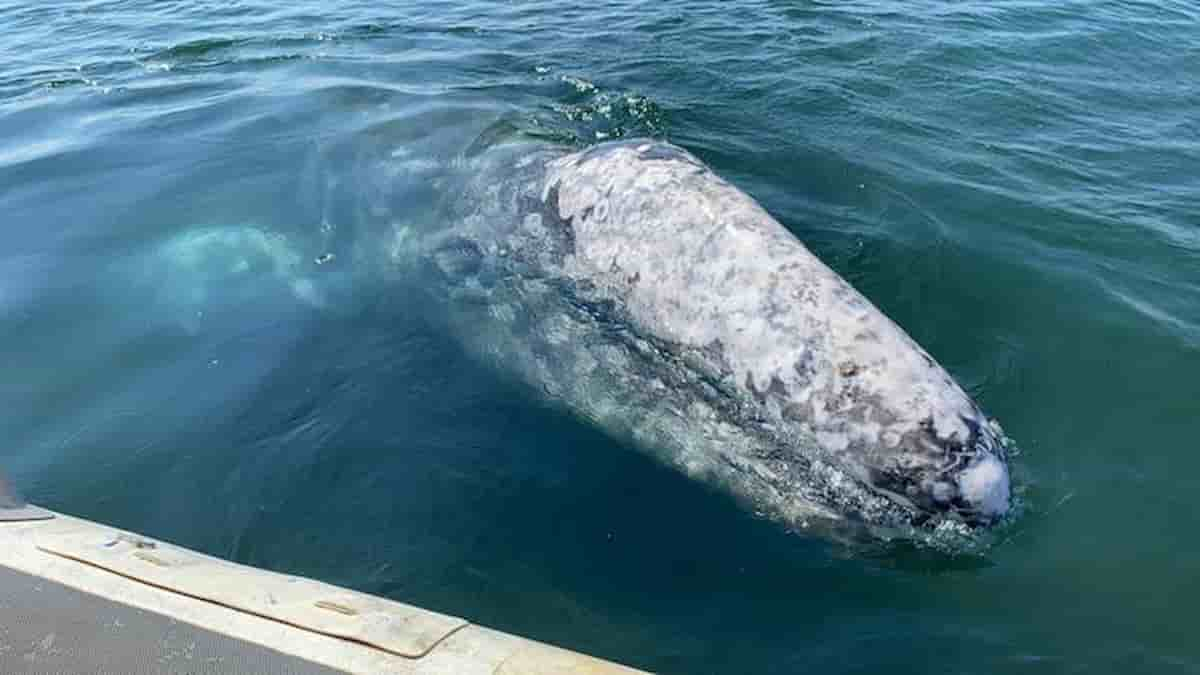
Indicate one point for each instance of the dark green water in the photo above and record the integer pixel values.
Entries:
(1016, 183)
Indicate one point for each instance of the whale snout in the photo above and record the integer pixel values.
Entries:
(976, 489)
(948, 478)
(977, 494)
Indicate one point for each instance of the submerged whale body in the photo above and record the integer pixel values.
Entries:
(642, 292)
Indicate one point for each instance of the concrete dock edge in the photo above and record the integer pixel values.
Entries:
(317, 623)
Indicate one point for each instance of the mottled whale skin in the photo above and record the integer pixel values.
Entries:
(639, 290)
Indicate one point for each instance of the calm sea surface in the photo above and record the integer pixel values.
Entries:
(190, 348)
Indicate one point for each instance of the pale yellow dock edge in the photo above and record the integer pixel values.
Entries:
(325, 624)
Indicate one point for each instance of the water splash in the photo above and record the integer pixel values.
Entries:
(586, 112)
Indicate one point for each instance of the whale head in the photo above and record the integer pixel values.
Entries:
(959, 476)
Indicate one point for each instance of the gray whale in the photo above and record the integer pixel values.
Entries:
(637, 289)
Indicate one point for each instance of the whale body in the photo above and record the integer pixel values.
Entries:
(632, 286)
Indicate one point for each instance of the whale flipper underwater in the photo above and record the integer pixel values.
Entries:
(637, 289)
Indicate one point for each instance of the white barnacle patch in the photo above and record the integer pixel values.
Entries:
(833, 441)
(985, 484)
(942, 491)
